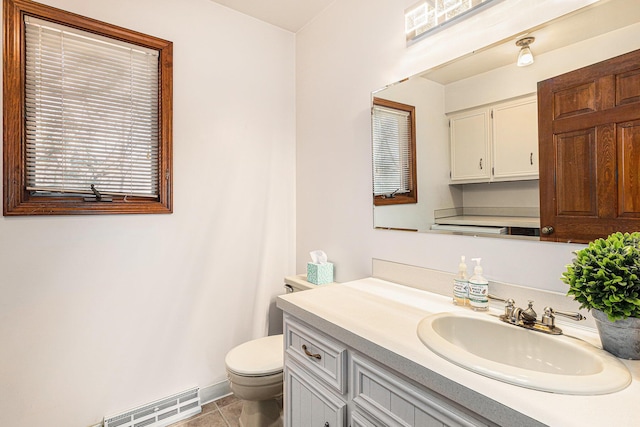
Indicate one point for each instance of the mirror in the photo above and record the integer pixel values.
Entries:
(486, 82)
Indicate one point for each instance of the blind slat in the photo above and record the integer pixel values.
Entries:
(91, 113)
(391, 151)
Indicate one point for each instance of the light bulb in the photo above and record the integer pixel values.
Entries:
(525, 57)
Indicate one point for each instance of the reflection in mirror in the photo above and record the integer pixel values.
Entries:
(477, 174)
(428, 15)
(394, 153)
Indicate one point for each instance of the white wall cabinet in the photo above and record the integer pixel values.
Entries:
(470, 146)
(373, 396)
(498, 142)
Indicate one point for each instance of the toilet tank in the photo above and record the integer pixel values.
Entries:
(298, 283)
(291, 284)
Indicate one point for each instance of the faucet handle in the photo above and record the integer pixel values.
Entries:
(548, 318)
(509, 304)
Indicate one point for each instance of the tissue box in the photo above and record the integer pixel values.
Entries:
(319, 274)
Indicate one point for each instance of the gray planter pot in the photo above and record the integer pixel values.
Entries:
(620, 338)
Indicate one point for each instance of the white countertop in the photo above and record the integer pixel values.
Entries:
(379, 318)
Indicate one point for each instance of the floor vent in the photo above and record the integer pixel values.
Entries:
(159, 413)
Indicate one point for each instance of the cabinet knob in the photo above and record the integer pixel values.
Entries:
(480, 163)
(326, 424)
(547, 230)
(531, 159)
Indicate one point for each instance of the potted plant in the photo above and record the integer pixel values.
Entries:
(604, 277)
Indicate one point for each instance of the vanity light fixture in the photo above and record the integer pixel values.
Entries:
(427, 16)
(525, 57)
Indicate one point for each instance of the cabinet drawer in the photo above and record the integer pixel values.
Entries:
(321, 355)
(392, 401)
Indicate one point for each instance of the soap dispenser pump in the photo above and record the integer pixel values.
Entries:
(478, 289)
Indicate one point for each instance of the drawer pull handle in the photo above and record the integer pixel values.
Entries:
(308, 353)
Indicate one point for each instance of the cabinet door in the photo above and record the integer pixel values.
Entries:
(515, 140)
(470, 138)
(308, 403)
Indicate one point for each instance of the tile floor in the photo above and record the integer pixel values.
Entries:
(223, 412)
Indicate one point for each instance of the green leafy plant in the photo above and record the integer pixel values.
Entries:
(606, 276)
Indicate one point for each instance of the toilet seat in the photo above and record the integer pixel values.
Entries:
(257, 358)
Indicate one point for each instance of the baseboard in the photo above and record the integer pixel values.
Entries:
(214, 392)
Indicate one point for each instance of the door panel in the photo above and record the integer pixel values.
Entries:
(628, 87)
(575, 100)
(575, 164)
(629, 169)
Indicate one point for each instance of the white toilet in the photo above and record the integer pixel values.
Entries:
(255, 376)
(255, 373)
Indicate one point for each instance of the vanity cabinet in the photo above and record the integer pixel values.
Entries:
(315, 377)
(498, 142)
(328, 385)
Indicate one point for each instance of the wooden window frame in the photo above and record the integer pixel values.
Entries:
(17, 200)
(412, 195)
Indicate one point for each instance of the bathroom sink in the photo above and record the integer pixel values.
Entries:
(559, 364)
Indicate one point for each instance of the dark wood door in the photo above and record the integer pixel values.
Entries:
(589, 143)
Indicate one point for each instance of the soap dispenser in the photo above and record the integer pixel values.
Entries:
(478, 289)
(461, 285)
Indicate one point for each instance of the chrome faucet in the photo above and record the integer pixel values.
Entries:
(528, 318)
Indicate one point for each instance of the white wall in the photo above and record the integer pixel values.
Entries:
(102, 313)
(518, 194)
(354, 47)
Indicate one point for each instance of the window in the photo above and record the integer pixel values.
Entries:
(427, 15)
(87, 115)
(394, 153)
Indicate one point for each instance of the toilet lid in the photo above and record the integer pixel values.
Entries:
(260, 357)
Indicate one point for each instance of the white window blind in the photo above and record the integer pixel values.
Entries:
(391, 151)
(91, 113)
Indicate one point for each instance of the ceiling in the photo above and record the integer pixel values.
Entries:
(290, 15)
(588, 22)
